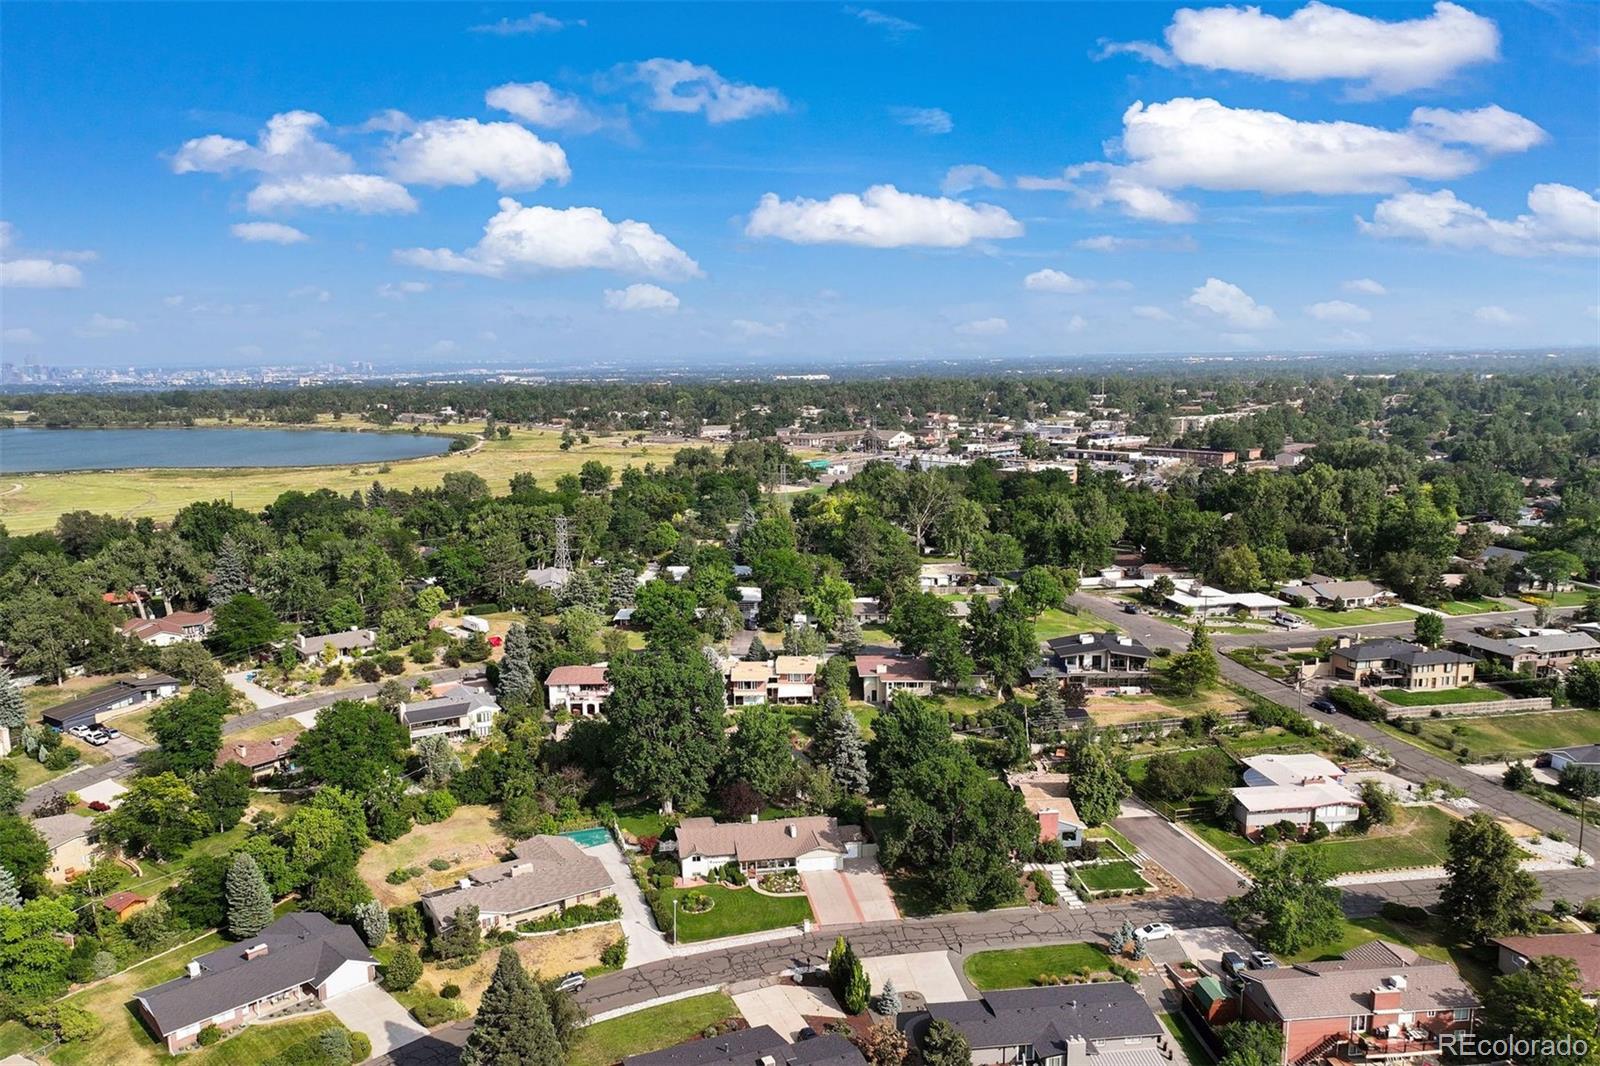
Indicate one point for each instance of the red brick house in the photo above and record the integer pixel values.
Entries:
(1380, 1001)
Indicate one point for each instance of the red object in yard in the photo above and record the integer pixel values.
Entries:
(494, 642)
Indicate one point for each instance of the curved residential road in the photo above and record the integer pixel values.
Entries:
(125, 764)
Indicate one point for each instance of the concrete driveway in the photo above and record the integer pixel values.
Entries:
(785, 1006)
(645, 941)
(1201, 872)
(929, 973)
(259, 697)
(1206, 945)
(853, 896)
(371, 1010)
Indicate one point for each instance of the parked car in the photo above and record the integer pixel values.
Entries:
(1260, 960)
(111, 732)
(571, 982)
(1324, 705)
(1130, 608)
(1233, 963)
(97, 738)
(1154, 931)
(79, 731)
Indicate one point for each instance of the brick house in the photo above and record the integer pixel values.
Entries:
(1401, 664)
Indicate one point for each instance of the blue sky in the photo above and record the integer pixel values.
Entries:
(459, 184)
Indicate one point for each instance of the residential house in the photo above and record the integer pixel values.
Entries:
(179, 627)
(867, 610)
(710, 432)
(1203, 601)
(335, 647)
(546, 875)
(1301, 789)
(578, 690)
(749, 602)
(899, 439)
(124, 905)
(301, 956)
(70, 840)
(794, 679)
(455, 711)
(122, 694)
(1261, 771)
(1049, 798)
(1106, 1023)
(1586, 756)
(882, 676)
(1326, 592)
(1105, 660)
(1541, 652)
(263, 758)
(811, 843)
(1401, 664)
(1381, 1000)
(935, 576)
(548, 578)
(760, 1046)
(747, 683)
(1582, 948)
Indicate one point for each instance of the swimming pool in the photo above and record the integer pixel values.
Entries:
(588, 838)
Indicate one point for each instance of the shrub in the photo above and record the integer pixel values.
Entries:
(392, 665)
(332, 674)
(208, 1036)
(1317, 831)
(333, 1045)
(615, 954)
(436, 1011)
(400, 875)
(439, 864)
(1400, 912)
(404, 968)
(405, 922)
(1355, 704)
(367, 670)
(1269, 834)
(1047, 891)
(360, 1047)
(451, 990)
(61, 758)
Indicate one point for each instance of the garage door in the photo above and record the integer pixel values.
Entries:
(346, 978)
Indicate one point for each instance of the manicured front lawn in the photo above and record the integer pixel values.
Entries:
(257, 1043)
(1058, 623)
(1323, 618)
(1193, 1049)
(1571, 598)
(1108, 876)
(1401, 697)
(652, 1029)
(15, 1038)
(1511, 734)
(736, 911)
(1017, 967)
(1418, 838)
(1477, 606)
(31, 772)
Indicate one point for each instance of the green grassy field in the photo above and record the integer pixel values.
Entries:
(1110, 876)
(1357, 616)
(1424, 940)
(652, 1029)
(1193, 1049)
(159, 494)
(1513, 734)
(736, 911)
(1575, 597)
(1017, 967)
(1058, 623)
(1477, 606)
(1416, 839)
(1440, 696)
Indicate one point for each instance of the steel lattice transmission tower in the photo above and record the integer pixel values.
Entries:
(563, 560)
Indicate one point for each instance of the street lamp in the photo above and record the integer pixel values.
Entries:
(674, 920)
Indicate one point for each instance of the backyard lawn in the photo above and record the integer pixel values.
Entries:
(1438, 697)
(1323, 618)
(1424, 940)
(735, 911)
(1058, 623)
(469, 838)
(652, 1029)
(1017, 967)
(32, 772)
(1111, 876)
(1150, 706)
(1417, 838)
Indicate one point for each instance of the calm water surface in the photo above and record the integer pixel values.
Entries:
(28, 451)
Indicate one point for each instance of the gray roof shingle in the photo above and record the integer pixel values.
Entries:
(748, 1047)
(1045, 1018)
(547, 870)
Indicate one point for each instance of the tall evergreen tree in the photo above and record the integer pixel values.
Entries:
(838, 745)
(10, 894)
(513, 1025)
(518, 681)
(757, 652)
(249, 899)
(944, 1045)
(847, 631)
(230, 573)
(12, 713)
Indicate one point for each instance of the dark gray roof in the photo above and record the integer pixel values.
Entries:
(455, 704)
(304, 948)
(1401, 651)
(748, 1046)
(92, 703)
(1587, 754)
(1044, 1017)
(1074, 644)
(1503, 553)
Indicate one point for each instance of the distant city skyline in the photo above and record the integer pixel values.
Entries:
(479, 185)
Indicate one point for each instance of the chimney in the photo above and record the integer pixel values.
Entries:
(193, 969)
(239, 750)
(254, 951)
(465, 882)
(791, 830)
(754, 818)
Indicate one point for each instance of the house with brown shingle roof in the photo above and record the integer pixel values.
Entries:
(883, 676)
(546, 874)
(1582, 948)
(578, 690)
(179, 627)
(262, 758)
(1379, 1000)
(812, 843)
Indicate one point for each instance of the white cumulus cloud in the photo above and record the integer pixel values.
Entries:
(934, 120)
(1055, 281)
(288, 144)
(537, 104)
(1321, 42)
(959, 179)
(464, 151)
(882, 217)
(1492, 128)
(37, 271)
(690, 88)
(526, 26)
(1232, 303)
(1339, 311)
(641, 297)
(1151, 313)
(1561, 220)
(1494, 315)
(268, 232)
(1365, 286)
(365, 194)
(537, 238)
(983, 327)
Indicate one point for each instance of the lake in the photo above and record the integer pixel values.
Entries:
(31, 451)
